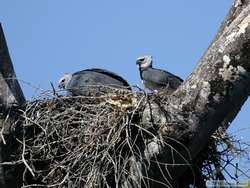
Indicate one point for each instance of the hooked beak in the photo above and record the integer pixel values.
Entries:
(138, 62)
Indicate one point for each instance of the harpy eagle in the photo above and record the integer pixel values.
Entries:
(80, 83)
(156, 79)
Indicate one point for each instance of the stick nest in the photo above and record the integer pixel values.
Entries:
(92, 141)
(82, 141)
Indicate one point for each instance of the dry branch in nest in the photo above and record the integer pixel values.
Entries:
(91, 141)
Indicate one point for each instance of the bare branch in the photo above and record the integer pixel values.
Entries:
(10, 90)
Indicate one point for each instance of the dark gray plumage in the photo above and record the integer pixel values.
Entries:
(80, 83)
(156, 79)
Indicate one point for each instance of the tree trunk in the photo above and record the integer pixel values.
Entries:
(10, 95)
(211, 97)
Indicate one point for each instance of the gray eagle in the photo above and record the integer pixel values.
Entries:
(81, 82)
(156, 79)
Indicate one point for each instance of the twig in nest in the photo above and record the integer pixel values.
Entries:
(24, 161)
(2, 130)
(53, 89)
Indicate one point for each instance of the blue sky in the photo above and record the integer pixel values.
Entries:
(47, 38)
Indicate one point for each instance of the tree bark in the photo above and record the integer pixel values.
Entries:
(10, 90)
(211, 96)
(10, 95)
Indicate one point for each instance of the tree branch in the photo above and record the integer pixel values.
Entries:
(10, 94)
(211, 96)
(10, 90)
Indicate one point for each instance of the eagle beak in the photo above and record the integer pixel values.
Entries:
(138, 62)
